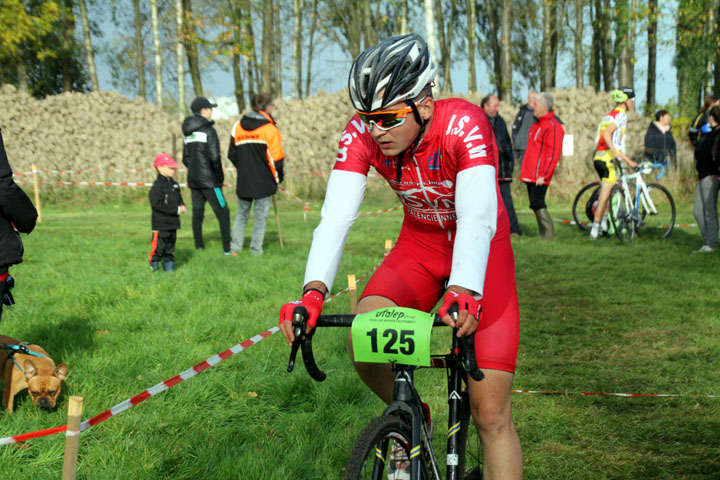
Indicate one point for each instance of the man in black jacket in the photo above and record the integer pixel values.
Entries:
(17, 214)
(491, 105)
(201, 156)
(521, 126)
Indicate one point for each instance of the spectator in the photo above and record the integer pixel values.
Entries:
(167, 204)
(257, 153)
(17, 214)
(699, 126)
(491, 104)
(659, 141)
(541, 157)
(706, 194)
(201, 156)
(521, 126)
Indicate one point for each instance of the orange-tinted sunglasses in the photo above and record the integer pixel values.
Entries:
(387, 119)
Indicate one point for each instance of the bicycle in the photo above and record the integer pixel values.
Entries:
(637, 208)
(586, 200)
(403, 426)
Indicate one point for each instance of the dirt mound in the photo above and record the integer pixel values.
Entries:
(105, 130)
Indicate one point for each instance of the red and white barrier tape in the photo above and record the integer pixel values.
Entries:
(664, 395)
(150, 392)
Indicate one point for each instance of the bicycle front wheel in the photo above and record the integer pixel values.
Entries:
(470, 447)
(620, 214)
(656, 212)
(584, 205)
(370, 457)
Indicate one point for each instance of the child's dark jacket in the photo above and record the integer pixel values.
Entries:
(165, 199)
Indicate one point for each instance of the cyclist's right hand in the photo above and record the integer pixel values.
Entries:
(312, 300)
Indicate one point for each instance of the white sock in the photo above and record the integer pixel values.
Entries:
(604, 223)
(595, 230)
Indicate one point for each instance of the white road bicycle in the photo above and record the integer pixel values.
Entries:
(640, 209)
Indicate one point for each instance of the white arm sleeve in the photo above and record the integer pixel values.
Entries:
(476, 207)
(344, 194)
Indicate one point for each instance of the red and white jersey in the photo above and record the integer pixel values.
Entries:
(448, 184)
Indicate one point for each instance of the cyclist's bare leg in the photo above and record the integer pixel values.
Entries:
(377, 376)
(492, 414)
(603, 201)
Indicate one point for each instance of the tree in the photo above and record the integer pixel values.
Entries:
(89, 52)
(158, 54)
(267, 47)
(311, 45)
(472, 81)
(430, 29)
(296, 81)
(652, 42)
(180, 52)
(606, 44)
(139, 55)
(491, 19)
(190, 38)
(445, 37)
(548, 58)
(577, 30)
(692, 52)
(505, 90)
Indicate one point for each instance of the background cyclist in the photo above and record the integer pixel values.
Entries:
(440, 159)
(610, 141)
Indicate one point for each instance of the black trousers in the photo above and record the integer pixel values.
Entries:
(216, 199)
(509, 206)
(163, 246)
(537, 195)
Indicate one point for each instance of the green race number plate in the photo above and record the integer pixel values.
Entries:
(400, 335)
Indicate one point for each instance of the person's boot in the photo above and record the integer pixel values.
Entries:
(169, 267)
(154, 266)
(545, 224)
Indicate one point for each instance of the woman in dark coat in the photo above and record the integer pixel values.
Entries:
(659, 141)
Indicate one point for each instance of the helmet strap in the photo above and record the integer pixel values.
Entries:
(411, 149)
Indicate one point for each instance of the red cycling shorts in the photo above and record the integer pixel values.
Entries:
(415, 274)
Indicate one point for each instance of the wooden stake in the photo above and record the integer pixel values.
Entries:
(277, 222)
(352, 290)
(37, 195)
(388, 247)
(72, 438)
(174, 147)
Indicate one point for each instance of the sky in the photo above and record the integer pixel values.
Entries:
(331, 66)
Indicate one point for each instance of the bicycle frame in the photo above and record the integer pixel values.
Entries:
(632, 206)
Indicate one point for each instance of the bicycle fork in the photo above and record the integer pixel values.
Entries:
(454, 424)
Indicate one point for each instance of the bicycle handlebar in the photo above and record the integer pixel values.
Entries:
(303, 342)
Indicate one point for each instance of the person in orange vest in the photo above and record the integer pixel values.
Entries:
(257, 153)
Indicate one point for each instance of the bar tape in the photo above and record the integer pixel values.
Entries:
(150, 392)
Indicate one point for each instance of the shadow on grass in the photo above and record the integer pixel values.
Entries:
(68, 335)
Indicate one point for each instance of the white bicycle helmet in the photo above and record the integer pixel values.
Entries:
(399, 68)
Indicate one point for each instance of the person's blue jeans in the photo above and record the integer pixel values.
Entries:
(260, 213)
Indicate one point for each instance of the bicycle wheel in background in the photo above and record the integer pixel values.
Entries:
(619, 215)
(583, 209)
(370, 456)
(657, 216)
(470, 451)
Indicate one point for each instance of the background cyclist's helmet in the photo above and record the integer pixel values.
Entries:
(399, 67)
(618, 96)
(629, 92)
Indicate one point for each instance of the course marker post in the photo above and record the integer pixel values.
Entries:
(352, 291)
(388, 247)
(277, 222)
(37, 194)
(72, 438)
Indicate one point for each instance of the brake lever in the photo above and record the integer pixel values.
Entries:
(467, 349)
(299, 316)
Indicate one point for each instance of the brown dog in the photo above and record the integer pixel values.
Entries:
(37, 373)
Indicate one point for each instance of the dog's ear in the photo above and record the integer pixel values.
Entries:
(61, 371)
(29, 369)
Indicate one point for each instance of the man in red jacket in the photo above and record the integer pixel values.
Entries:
(541, 157)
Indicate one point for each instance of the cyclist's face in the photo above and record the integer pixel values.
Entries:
(396, 140)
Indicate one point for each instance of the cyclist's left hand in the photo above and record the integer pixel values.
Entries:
(468, 311)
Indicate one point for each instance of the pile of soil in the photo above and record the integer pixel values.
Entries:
(107, 131)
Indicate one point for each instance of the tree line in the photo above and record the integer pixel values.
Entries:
(48, 47)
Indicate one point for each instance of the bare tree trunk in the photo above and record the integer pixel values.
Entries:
(189, 36)
(596, 45)
(89, 53)
(494, 45)
(632, 35)
(652, 55)
(716, 72)
(472, 80)
(180, 52)
(404, 17)
(608, 56)
(296, 80)
(505, 92)
(444, 46)
(367, 24)
(158, 54)
(267, 47)
(277, 50)
(69, 30)
(139, 53)
(311, 45)
(546, 50)
(430, 29)
(236, 7)
(578, 37)
(622, 41)
(711, 24)
(253, 64)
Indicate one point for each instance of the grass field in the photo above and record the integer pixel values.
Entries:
(595, 317)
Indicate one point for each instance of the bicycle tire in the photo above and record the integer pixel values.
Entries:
(661, 222)
(581, 202)
(619, 216)
(362, 460)
(470, 451)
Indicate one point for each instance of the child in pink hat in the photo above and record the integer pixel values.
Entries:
(167, 205)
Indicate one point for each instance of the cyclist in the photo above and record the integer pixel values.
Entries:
(440, 159)
(610, 144)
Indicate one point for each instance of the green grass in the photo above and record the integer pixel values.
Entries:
(595, 316)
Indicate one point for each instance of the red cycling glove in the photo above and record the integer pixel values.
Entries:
(463, 301)
(312, 300)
